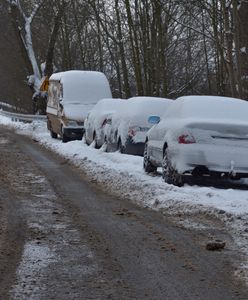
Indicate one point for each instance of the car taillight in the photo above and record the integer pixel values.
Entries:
(104, 122)
(131, 132)
(186, 139)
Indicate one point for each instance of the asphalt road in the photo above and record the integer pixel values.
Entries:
(63, 237)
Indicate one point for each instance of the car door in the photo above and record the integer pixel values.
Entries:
(156, 142)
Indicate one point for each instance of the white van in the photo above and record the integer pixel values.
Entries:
(71, 95)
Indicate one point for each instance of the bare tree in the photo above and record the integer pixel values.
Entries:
(23, 22)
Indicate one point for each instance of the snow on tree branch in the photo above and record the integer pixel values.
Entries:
(26, 37)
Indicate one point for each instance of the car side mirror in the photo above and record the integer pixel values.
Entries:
(153, 120)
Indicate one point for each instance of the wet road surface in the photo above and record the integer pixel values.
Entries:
(62, 237)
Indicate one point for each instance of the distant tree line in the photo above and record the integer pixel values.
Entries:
(145, 47)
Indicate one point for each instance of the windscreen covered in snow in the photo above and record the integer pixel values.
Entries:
(86, 87)
(210, 108)
(139, 109)
(77, 112)
(103, 110)
(107, 106)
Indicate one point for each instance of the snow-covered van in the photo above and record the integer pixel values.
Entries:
(71, 95)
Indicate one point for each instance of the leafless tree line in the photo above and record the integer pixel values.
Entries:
(145, 47)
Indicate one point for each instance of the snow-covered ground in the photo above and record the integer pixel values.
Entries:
(123, 175)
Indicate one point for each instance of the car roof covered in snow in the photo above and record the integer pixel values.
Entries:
(108, 105)
(138, 106)
(209, 107)
(83, 86)
(138, 109)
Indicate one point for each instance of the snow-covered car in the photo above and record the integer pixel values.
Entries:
(199, 135)
(71, 95)
(98, 118)
(130, 123)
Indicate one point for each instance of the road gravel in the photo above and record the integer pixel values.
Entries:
(63, 237)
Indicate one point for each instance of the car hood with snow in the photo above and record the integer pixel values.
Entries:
(76, 111)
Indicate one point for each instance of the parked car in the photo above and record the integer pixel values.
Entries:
(98, 118)
(199, 135)
(130, 123)
(71, 95)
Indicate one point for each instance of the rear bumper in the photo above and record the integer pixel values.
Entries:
(74, 133)
(134, 148)
(215, 158)
(129, 148)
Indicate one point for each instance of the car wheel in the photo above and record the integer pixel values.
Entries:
(147, 165)
(53, 134)
(65, 139)
(95, 141)
(106, 144)
(169, 174)
(120, 147)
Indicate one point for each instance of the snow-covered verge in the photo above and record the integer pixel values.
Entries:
(124, 175)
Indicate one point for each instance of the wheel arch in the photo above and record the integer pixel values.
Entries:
(165, 147)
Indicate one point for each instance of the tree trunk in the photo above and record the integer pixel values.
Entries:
(135, 49)
(50, 51)
(122, 52)
(229, 45)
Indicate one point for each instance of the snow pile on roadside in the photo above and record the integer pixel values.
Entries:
(123, 175)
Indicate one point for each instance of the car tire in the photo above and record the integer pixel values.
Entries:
(64, 138)
(120, 147)
(53, 134)
(169, 174)
(107, 144)
(147, 165)
(95, 140)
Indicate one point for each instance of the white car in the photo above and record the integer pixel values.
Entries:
(130, 123)
(98, 118)
(199, 135)
(71, 95)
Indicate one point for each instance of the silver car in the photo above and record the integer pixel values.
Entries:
(199, 135)
(129, 124)
(98, 118)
